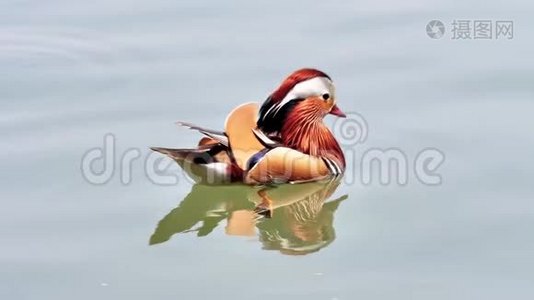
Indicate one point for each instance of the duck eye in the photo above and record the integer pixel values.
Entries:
(326, 96)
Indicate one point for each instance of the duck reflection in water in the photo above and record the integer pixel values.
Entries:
(294, 219)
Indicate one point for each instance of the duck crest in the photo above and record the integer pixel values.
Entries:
(304, 130)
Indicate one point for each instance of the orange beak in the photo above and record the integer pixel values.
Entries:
(337, 112)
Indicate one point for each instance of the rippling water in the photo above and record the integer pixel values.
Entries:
(75, 71)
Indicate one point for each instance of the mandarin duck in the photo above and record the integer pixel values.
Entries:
(282, 141)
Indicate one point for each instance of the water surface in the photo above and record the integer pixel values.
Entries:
(73, 71)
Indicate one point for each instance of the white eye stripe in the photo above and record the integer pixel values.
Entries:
(311, 87)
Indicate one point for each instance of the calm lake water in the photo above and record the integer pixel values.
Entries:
(74, 71)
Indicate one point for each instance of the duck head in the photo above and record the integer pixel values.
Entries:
(294, 114)
(306, 94)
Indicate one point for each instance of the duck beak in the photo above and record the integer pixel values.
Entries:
(337, 112)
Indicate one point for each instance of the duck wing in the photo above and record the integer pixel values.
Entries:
(210, 163)
(239, 127)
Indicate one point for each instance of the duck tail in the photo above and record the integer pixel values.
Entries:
(178, 154)
(219, 136)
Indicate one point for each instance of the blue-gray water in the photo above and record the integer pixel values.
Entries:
(73, 71)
